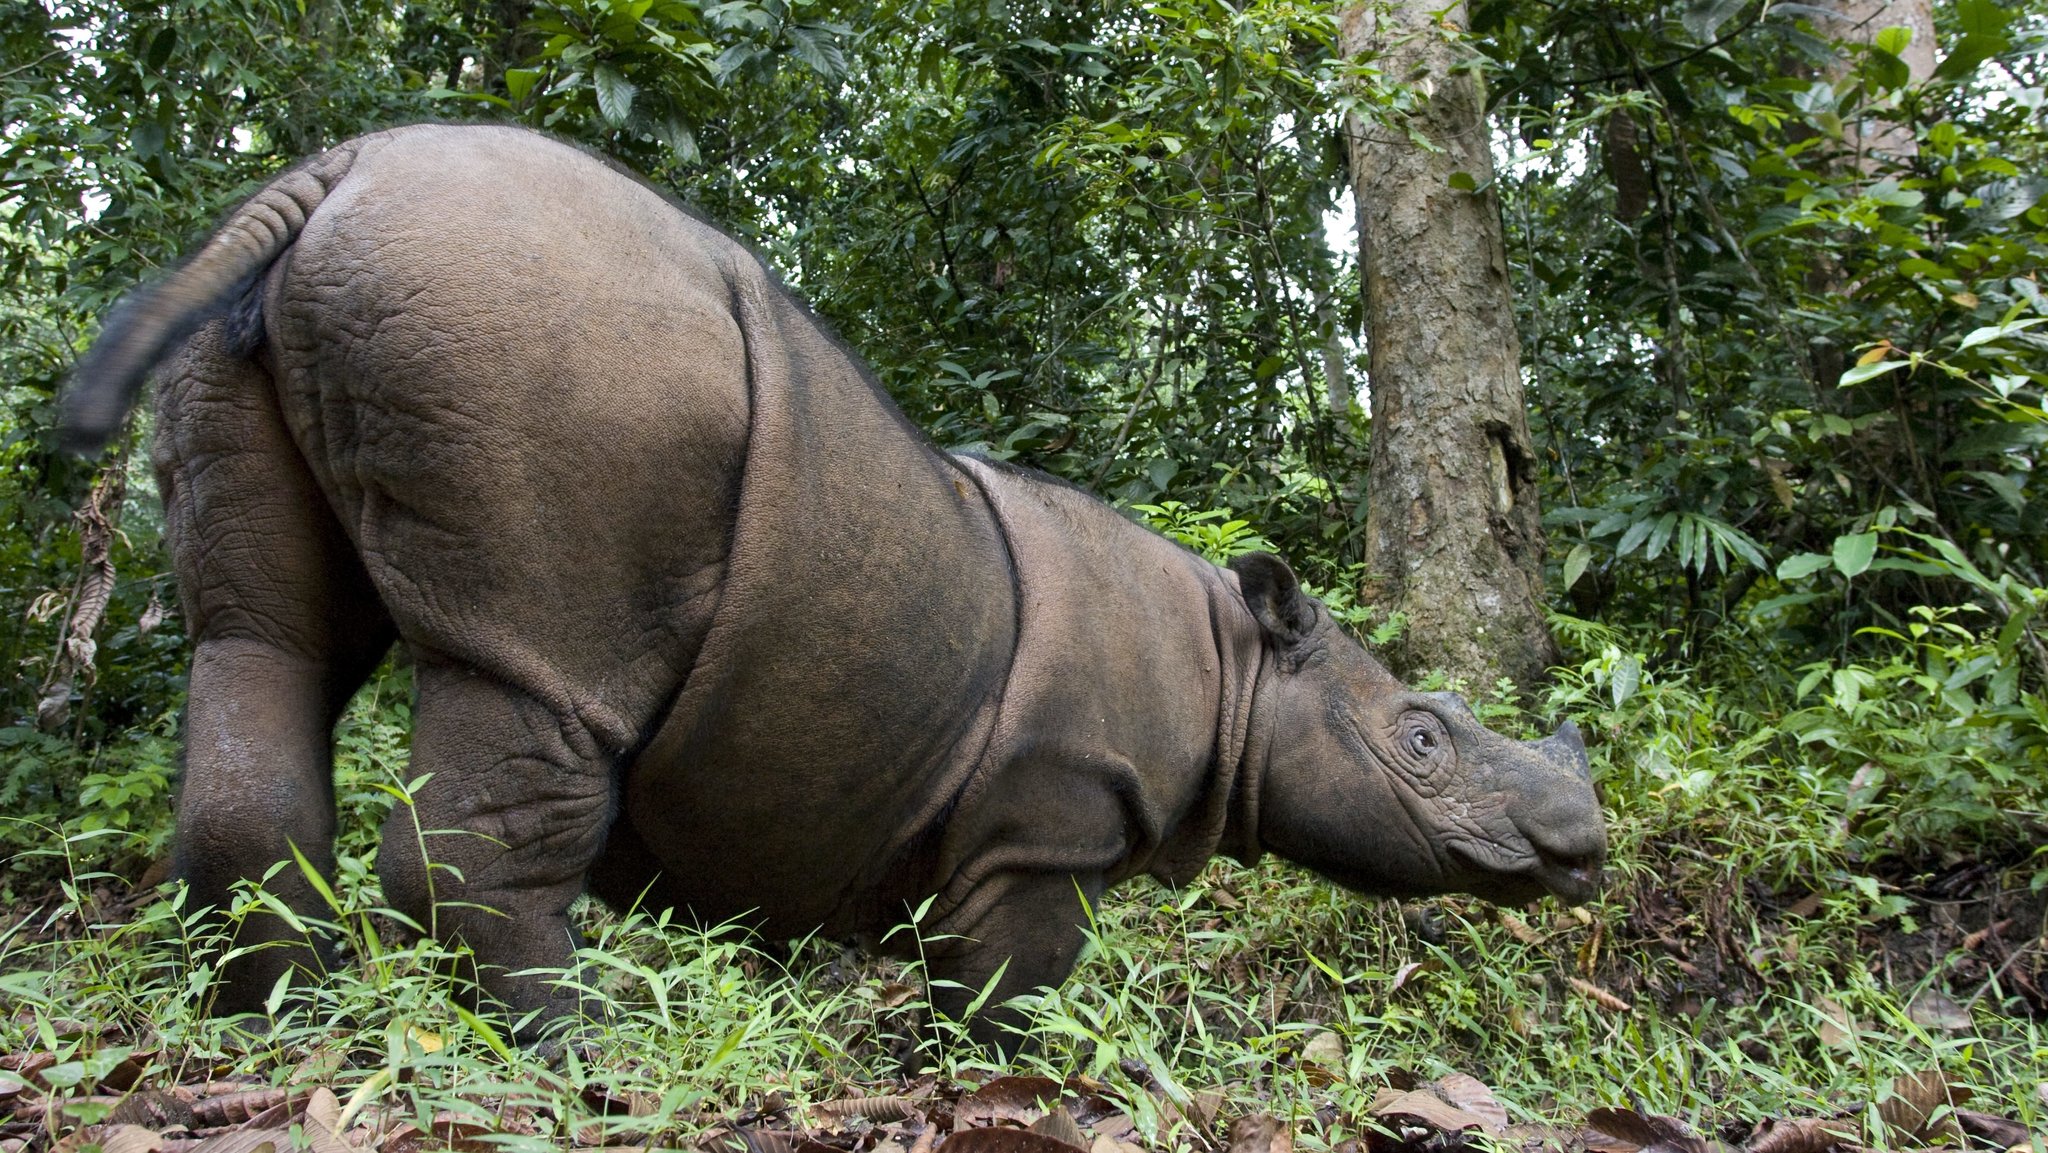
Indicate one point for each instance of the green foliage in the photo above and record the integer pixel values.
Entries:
(1788, 392)
(1706, 241)
(1212, 532)
(54, 791)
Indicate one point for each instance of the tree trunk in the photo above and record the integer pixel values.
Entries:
(1859, 22)
(1454, 534)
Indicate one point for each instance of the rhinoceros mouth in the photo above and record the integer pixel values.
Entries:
(1574, 880)
(1522, 874)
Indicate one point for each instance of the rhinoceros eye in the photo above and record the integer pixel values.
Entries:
(1421, 735)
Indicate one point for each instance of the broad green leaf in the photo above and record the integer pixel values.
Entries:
(1803, 565)
(1969, 54)
(1633, 537)
(1857, 374)
(1993, 332)
(1627, 677)
(817, 48)
(1853, 553)
(1848, 688)
(1888, 70)
(520, 81)
(1739, 542)
(1660, 535)
(2006, 487)
(1982, 17)
(1575, 563)
(1703, 18)
(1894, 40)
(614, 94)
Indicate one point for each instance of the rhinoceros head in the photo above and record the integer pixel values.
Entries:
(1399, 793)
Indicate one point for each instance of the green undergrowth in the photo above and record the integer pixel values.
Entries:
(1776, 939)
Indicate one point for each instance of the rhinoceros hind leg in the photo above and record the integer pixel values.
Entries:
(1029, 927)
(257, 785)
(496, 841)
(286, 626)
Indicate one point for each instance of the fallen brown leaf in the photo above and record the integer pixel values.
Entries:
(758, 1140)
(1922, 1104)
(1402, 974)
(1061, 1126)
(1934, 1009)
(464, 1134)
(28, 1066)
(2001, 1132)
(1542, 1137)
(1260, 1133)
(247, 1141)
(1800, 1135)
(1107, 1144)
(1424, 1107)
(1519, 929)
(1092, 1110)
(991, 1140)
(238, 1107)
(123, 1076)
(1598, 996)
(1975, 941)
(321, 1123)
(1021, 1100)
(130, 1139)
(1640, 1130)
(1596, 1141)
(1837, 1028)
(221, 1087)
(1323, 1057)
(878, 1110)
(39, 1110)
(1473, 1097)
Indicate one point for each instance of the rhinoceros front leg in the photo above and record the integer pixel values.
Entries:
(1027, 926)
(495, 843)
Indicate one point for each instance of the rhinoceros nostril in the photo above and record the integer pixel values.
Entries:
(1573, 877)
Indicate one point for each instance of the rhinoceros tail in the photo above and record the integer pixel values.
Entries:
(223, 272)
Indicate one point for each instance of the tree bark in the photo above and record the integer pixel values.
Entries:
(1454, 533)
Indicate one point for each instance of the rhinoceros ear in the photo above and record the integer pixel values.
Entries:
(1275, 597)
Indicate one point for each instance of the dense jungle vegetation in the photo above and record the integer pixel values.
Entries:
(1788, 392)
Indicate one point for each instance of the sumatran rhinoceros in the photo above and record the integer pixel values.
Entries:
(700, 620)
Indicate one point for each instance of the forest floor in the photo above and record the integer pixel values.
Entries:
(1689, 1010)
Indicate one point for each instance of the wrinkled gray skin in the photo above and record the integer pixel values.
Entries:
(697, 615)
